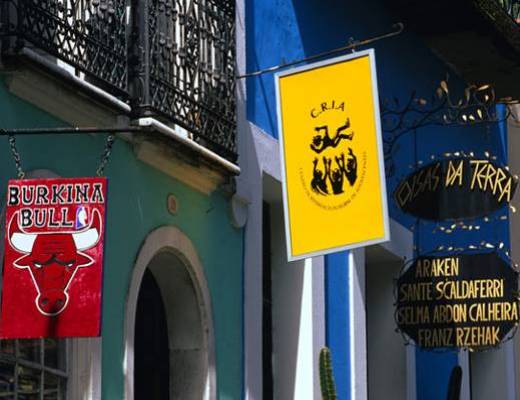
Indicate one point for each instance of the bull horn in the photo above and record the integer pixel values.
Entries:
(89, 238)
(21, 241)
(86, 240)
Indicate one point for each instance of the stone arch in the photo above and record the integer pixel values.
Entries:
(172, 258)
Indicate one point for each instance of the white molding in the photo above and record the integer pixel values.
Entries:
(411, 385)
(465, 388)
(191, 144)
(172, 239)
(58, 99)
(318, 320)
(511, 370)
(296, 312)
(66, 75)
(200, 178)
(268, 151)
(357, 322)
(85, 369)
(305, 369)
(249, 186)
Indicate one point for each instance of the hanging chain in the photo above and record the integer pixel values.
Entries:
(106, 155)
(16, 156)
(100, 170)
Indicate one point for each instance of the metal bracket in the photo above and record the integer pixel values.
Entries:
(69, 130)
(352, 45)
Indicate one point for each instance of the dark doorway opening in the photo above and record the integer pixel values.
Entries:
(151, 351)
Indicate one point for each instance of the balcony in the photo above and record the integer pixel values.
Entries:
(170, 60)
(511, 7)
(479, 39)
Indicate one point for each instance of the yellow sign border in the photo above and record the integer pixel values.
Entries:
(380, 159)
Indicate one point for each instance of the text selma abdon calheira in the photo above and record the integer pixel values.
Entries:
(450, 311)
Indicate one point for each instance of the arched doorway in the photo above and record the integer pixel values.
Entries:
(169, 331)
(151, 357)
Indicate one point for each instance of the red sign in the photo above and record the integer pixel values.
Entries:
(53, 259)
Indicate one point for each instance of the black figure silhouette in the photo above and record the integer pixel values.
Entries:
(336, 178)
(319, 183)
(351, 171)
(320, 143)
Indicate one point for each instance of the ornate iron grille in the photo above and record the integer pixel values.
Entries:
(185, 67)
(175, 59)
(87, 34)
(512, 7)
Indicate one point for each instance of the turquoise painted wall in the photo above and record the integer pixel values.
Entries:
(136, 206)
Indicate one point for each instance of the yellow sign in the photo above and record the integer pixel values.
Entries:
(331, 151)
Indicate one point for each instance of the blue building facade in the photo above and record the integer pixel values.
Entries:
(281, 31)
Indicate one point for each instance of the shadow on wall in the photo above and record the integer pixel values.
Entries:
(287, 303)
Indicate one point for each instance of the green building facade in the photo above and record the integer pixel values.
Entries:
(169, 216)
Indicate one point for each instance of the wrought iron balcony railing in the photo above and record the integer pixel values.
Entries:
(171, 59)
(87, 34)
(185, 67)
(512, 7)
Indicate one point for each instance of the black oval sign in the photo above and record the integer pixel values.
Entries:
(456, 189)
(458, 301)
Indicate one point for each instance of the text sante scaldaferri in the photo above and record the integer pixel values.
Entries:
(450, 312)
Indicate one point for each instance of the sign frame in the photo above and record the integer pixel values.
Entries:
(54, 253)
(440, 273)
(370, 53)
(459, 185)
